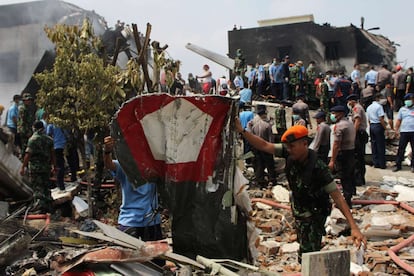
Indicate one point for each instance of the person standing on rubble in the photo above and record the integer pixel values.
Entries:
(359, 118)
(321, 144)
(343, 150)
(12, 116)
(25, 121)
(40, 159)
(206, 78)
(377, 131)
(311, 184)
(139, 216)
(262, 127)
(302, 109)
(404, 128)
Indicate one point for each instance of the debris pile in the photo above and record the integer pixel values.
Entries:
(377, 209)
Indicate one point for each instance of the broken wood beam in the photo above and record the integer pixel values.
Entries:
(116, 52)
(141, 56)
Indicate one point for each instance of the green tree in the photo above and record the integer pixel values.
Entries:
(80, 92)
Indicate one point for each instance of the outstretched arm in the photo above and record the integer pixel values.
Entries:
(343, 206)
(254, 140)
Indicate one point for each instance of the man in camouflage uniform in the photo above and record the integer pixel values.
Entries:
(280, 119)
(311, 184)
(39, 158)
(325, 98)
(296, 78)
(25, 121)
(310, 83)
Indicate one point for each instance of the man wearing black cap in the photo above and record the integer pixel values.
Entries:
(321, 144)
(39, 158)
(359, 118)
(343, 151)
(261, 127)
(404, 127)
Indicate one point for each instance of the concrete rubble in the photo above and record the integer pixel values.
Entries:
(385, 225)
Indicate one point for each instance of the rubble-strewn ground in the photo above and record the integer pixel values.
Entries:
(384, 225)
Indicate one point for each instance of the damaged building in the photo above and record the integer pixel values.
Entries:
(333, 48)
(25, 48)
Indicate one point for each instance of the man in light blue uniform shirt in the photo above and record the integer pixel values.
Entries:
(245, 96)
(138, 214)
(377, 127)
(371, 77)
(11, 120)
(59, 143)
(404, 127)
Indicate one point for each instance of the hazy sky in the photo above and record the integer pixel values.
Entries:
(205, 23)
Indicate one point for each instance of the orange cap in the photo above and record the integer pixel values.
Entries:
(398, 67)
(294, 133)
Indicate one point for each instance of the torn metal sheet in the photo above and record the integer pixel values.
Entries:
(116, 255)
(13, 246)
(135, 269)
(12, 184)
(160, 136)
(103, 237)
(117, 234)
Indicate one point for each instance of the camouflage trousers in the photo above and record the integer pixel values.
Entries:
(309, 232)
(39, 182)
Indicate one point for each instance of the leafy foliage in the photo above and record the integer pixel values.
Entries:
(81, 91)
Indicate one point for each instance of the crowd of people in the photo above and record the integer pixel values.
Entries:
(369, 102)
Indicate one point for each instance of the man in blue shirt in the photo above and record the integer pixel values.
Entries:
(245, 96)
(245, 117)
(59, 142)
(138, 215)
(404, 127)
(276, 79)
(251, 79)
(11, 120)
(371, 77)
(377, 127)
